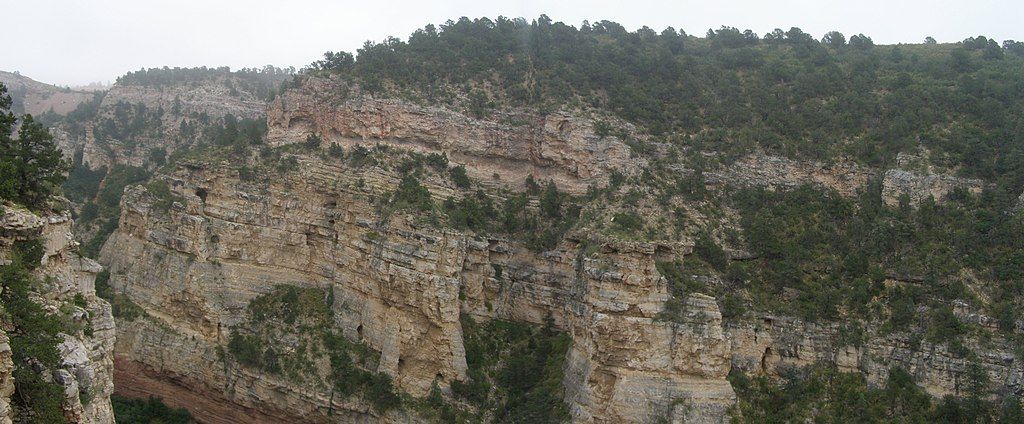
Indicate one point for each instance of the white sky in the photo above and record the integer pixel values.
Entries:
(72, 42)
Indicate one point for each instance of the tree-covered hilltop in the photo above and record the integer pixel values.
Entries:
(262, 82)
(786, 91)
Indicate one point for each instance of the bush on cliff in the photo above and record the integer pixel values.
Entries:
(523, 364)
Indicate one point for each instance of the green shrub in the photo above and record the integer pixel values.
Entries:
(471, 212)
(412, 195)
(245, 349)
(313, 142)
(162, 192)
(158, 156)
(305, 314)
(821, 393)
(551, 201)
(83, 183)
(28, 253)
(680, 284)
(336, 151)
(944, 326)
(152, 411)
(710, 252)
(437, 161)
(459, 177)
(628, 222)
(360, 156)
(523, 364)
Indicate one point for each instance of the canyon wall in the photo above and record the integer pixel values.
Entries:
(400, 288)
(195, 262)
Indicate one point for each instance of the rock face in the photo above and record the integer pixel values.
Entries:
(6, 379)
(918, 187)
(86, 372)
(774, 343)
(559, 146)
(400, 288)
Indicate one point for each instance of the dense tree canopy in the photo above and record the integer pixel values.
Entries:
(261, 82)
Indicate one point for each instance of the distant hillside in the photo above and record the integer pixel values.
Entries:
(37, 98)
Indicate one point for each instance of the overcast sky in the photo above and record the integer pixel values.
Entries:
(72, 42)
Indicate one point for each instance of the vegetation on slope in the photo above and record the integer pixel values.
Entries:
(148, 411)
(700, 102)
(290, 333)
(31, 172)
(837, 251)
(785, 91)
(515, 371)
(33, 338)
(260, 82)
(515, 376)
(820, 393)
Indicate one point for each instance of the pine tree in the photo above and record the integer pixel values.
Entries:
(31, 166)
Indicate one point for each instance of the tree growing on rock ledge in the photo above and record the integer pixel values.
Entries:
(31, 167)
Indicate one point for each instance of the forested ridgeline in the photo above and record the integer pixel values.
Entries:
(786, 91)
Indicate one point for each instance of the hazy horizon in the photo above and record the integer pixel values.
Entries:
(98, 41)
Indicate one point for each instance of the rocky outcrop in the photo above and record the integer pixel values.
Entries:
(776, 172)
(915, 179)
(560, 146)
(400, 288)
(214, 97)
(917, 187)
(86, 370)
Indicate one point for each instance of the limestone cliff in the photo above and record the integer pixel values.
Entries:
(86, 349)
(400, 288)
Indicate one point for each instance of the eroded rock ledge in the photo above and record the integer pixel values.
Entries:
(561, 146)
